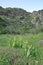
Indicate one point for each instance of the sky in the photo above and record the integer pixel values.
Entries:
(28, 5)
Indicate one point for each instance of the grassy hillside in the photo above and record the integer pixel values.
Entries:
(18, 21)
(21, 37)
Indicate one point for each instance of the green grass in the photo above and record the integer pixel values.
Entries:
(21, 49)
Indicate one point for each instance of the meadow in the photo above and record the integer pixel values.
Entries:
(24, 49)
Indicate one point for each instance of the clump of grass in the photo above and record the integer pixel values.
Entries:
(4, 60)
(32, 53)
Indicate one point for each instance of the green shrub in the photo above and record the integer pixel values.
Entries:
(18, 44)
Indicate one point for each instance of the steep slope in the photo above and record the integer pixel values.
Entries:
(18, 21)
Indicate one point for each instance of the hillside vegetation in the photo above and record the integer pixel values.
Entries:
(19, 21)
(21, 37)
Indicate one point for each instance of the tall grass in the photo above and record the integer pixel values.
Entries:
(29, 50)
